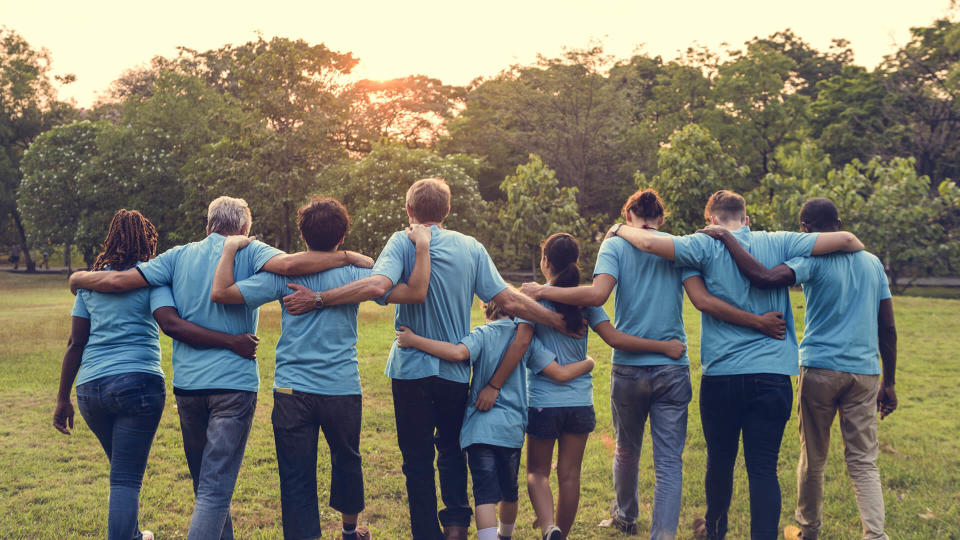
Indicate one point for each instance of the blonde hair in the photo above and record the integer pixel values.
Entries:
(429, 200)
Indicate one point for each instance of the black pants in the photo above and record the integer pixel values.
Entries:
(429, 412)
(758, 405)
(297, 421)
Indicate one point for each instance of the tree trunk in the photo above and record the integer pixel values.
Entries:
(66, 258)
(31, 266)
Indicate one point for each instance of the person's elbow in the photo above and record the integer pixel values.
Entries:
(219, 296)
(76, 345)
(699, 302)
(509, 300)
(851, 243)
(379, 286)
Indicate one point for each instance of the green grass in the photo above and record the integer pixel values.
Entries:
(53, 486)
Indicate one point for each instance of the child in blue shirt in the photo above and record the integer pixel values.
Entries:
(493, 438)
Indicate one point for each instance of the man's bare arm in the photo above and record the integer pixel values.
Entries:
(519, 305)
(644, 240)
(224, 290)
(831, 242)
(312, 262)
(595, 294)
(414, 291)
(771, 323)
(169, 320)
(107, 281)
(758, 274)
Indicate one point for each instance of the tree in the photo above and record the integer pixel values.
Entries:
(801, 174)
(67, 196)
(756, 111)
(28, 107)
(536, 207)
(374, 189)
(692, 167)
(812, 66)
(849, 118)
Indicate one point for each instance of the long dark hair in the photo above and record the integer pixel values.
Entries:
(130, 239)
(562, 253)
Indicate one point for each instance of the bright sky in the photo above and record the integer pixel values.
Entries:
(453, 41)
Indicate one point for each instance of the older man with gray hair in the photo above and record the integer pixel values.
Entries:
(216, 389)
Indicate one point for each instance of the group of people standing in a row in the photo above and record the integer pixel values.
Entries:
(461, 392)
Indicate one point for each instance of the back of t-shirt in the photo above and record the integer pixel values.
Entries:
(317, 351)
(189, 270)
(648, 301)
(459, 268)
(729, 349)
(843, 293)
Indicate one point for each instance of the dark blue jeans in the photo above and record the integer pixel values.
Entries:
(429, 413)
(215, 429)
(123, 411)
(298, 419)
(758, 405)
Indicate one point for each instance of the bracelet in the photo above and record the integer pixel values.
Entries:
(318, 300)
(497, 388)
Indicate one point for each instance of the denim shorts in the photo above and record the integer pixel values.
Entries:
(551, 422)
(494, 470)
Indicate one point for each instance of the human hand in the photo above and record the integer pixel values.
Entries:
(772, 324)
(886, 401)
(63, 417)
(405, 337)
(419, 234)
(301, 301)
(237, 242)
(245, 345)
(675, 349)
(486, 398)
(590, 363)
(714, 231)
(532, 289)
(359, 260)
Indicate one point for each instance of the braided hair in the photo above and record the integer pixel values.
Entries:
(130, 239)
(562, 253)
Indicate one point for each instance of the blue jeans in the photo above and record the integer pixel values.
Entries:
(298, 419)
(123, 411)
(215, 429)
(758, 405)
(662, 393)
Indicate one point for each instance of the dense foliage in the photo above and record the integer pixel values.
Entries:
(555, 145)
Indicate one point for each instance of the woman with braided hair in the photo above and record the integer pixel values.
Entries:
(114, 356)
(561, 413)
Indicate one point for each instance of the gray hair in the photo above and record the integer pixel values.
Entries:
(228, 215)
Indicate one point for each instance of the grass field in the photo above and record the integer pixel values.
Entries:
(53, 486)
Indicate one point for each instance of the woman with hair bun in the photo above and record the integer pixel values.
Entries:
(114, 356)
(561, 413)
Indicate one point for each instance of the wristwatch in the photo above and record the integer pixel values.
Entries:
(317, 300)
(616, 228)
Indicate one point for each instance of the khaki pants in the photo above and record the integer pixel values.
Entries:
(822, 393)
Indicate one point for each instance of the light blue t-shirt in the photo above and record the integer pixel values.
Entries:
(729, 349)
(189, 269)
(843, 292)
(546, 392)
(504, 424)
(648, 300)
(459, 268)
(317, 351)
(123, 334)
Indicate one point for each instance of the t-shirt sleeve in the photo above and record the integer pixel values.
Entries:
(161, 297)
(80, 308)
(474, 343)
(159, 270)
(489, 283)
(538, 357)
(691, 250)
(260, 253)
(883, 287)
(608, 259)
(686, 273)
(360, 273)
(595, 315)
(794, 244)
(803, 268)
(390, 261)
(261, 288)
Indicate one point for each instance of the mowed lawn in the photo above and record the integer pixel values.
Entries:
(54, 486)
